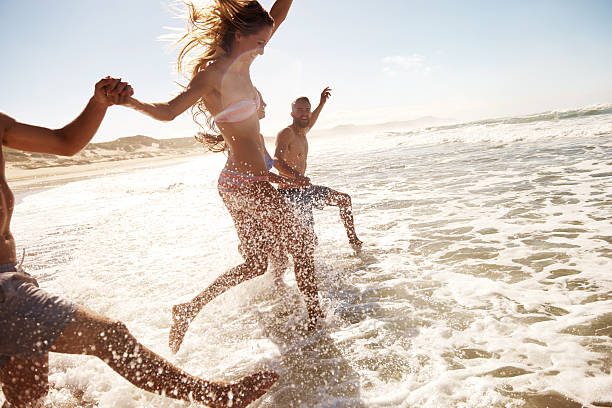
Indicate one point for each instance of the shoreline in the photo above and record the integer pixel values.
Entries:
(22, 180)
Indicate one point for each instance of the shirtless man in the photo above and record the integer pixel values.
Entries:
(34, 322)
(290, 159)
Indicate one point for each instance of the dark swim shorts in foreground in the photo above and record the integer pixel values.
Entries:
(31, 319)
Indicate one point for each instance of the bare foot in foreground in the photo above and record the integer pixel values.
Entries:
(251, 388)
(180, 324)
(241, 393)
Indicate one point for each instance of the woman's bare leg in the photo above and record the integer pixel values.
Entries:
(278, 263)
(307, 284)
(184, 313)
(343, 201)
(300, 243)
(92, 334)
(266, 217)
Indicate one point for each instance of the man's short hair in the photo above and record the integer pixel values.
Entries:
(298, 100)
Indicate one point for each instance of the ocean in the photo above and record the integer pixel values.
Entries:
(485, 279)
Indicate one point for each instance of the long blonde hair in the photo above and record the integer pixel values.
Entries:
(213, 143)
(213, 29)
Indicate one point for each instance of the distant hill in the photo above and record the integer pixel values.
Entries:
(135, 142)
(426, 121)
(125, 148)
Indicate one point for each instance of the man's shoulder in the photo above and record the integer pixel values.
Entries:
(286, 133)
(5, 121)
(4, 118)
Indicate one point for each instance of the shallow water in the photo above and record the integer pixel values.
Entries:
(484, 280)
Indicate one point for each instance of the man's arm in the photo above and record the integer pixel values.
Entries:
(282, 146)
(278, 179)
(279, 12)
(315, 114)
(70, 139)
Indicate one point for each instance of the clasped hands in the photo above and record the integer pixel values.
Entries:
(112, 91)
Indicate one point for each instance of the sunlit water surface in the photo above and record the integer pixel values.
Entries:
(485, 280)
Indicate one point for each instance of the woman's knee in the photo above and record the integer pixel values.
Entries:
(306, 242)
(257, 264)
(117, 330)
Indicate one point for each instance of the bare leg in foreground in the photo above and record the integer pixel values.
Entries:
(109, 340)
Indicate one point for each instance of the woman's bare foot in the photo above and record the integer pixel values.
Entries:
(356, 244)
(180, 323)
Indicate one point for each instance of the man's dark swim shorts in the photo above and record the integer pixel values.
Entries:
(31, 319)
(304, 199)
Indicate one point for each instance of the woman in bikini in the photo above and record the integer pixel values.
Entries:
(228, 36)
(277, 258)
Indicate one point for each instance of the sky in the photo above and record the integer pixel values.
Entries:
(385, 61)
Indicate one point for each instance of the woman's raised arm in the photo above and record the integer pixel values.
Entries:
(279, 12)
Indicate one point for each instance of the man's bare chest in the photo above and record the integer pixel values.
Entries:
(298, 148)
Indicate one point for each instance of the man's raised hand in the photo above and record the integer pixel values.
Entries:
(325, 94)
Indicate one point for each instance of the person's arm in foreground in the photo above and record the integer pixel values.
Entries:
(71, 138)
(315, 114)
(279, 12)
(282, 146)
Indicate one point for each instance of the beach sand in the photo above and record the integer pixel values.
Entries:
(26, 171)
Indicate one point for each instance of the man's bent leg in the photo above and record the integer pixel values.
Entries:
(31, 320)
(343, 201)
(92, 334)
